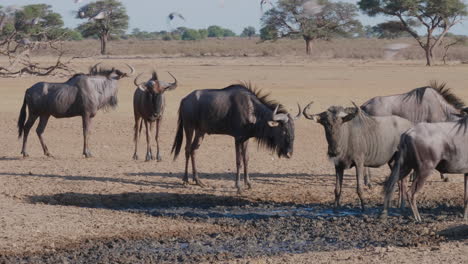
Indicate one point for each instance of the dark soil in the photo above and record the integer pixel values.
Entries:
(256, 230)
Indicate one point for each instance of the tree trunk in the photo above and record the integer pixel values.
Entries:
(308, 45)
(103, 44)
(428, 56)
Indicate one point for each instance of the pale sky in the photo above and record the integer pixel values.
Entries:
(150, 15)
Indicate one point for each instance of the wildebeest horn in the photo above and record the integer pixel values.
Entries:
(135, 81)
(279, 117)
(154, 76)
(304, 112)
(174, 84)
(94, 68)
(132, 70)
(299, 113)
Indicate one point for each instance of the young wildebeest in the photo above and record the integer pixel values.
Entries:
(430, 104)
(148, 104)
(82, 95)
(240, 112)
(425, 147)
(357, 139)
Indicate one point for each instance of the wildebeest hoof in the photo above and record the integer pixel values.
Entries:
(446, 179)
(249, 185)
(185, 182)
(158, 158)
(383, 217)
(88, 154)
(25, 155)
(149, 157)
(135, 157)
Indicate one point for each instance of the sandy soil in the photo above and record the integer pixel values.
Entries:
(48, 204)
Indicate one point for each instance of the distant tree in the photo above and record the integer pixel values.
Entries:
(294, 18)
(436, 16)
(107, 18)
(203, 33)
(248, 32)
(268, 32)
(390, 30)
(191, 34)
(228, 33)
(215, 32)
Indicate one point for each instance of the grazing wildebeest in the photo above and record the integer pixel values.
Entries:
(356, 139)
(238, 111)
(430, 104)
(423, 148)
(82, 95)
(148, 105)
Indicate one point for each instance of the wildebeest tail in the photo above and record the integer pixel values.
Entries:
(22, 118)
(400, 156)
(179, 137)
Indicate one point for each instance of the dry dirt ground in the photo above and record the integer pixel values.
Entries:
(110, 208)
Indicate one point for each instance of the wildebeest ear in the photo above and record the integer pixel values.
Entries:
(348, 117)
(273, 123)
(154, 76)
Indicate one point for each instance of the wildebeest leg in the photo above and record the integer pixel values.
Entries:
(158, 156)
(149, 129)
(238, 165)
(40, 129)
(417, 185)
(465, 212)
(86, 130)
(339, 183)
(195, 146)
(188, 151)
(245, 156)
(27, 127)
(359, 174)
(367, 177)
(136, 135)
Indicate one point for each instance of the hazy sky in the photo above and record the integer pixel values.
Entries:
(150, 15)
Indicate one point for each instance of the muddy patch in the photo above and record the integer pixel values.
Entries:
(252, 230)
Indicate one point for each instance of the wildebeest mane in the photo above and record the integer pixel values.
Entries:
(462, 124)
(263, 97)
(441, 89)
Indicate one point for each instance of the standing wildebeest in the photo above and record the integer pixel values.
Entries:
(148, 104)
(425, 147)
(82, 95)
(430, 104)
(357, 139)
(240, 112)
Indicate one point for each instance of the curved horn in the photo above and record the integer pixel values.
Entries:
(94, 67)
(172, 85)
(154, 75)
(276, 110)
(132, 70)
(299, 113)
(279, 117)
(304, 112)
(135, 81)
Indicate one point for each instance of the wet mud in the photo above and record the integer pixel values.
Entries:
(251, 229)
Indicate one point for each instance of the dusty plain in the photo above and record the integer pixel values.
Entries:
(110, 208)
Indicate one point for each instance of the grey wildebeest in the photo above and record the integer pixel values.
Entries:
(430, 104)
(148, 105)
(356, 139)
(238, 111)
(423, 148)
(82, 95)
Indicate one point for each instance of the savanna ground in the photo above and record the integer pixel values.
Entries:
(110, 208)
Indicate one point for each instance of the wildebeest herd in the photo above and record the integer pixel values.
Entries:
(418, 131)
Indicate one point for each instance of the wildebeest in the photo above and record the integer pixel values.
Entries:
(425, 147)
(82, 95)
(431, 104)
(238, 111)
(356, 139)
(148, 105)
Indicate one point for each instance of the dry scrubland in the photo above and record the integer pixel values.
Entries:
(361, 49)
(110, 208)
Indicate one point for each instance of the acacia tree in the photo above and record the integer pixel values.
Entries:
(106, 18)
(322, 20)
(436, 16)
(24, 29)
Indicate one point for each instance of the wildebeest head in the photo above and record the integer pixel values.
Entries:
(113, 73)
(282, 125)
(155, 89)
(332, 120)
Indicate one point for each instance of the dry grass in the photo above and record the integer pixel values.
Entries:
(365, 49)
